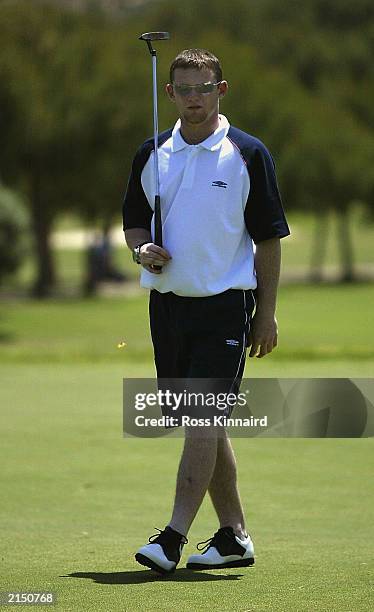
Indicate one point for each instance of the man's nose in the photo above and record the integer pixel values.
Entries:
(193, 93)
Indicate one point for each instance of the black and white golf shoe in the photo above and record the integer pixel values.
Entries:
(163, 552)
(224, 549)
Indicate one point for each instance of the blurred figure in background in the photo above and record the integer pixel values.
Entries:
(100, 266)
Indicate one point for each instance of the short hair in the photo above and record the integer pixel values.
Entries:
(199, 59)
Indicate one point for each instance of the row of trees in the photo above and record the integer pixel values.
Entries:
(75, 101)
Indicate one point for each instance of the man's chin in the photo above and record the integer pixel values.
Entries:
(195, 119)
(195, 116)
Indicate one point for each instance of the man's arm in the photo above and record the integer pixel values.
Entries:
(137, 235)
(263, 335)
(150, 254)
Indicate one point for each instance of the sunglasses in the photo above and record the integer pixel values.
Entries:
(201, 88)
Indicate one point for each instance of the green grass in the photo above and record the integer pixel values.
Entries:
(323, 331)
(78, 499)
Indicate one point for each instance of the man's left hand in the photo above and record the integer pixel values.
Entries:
(263, 335)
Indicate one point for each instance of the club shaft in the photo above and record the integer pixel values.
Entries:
(155, 125)
(158, 220)
(148, 37)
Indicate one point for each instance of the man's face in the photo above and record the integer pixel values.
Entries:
(194, 107)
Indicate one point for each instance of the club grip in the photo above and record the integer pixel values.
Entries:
(158, 225)
(158, 222)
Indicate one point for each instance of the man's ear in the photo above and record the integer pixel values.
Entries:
(170, 92)
(222, 90)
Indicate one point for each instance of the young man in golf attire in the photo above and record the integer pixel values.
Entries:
(219, 197)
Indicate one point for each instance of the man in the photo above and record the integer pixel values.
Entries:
(219, 195)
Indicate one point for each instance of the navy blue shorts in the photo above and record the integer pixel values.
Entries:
(201, 337)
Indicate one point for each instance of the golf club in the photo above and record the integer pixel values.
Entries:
(149, 37)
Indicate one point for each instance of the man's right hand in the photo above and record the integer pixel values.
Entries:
(153, 257)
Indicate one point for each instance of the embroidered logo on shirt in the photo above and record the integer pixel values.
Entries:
(219, 184)
(232, 342)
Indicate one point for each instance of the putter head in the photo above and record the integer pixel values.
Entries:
(149, 36)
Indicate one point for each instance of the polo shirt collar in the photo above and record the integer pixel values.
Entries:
(212, 143)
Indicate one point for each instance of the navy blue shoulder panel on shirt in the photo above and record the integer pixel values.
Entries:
(136, 211)
(264, 215)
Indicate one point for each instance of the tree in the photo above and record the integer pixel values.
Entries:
(68, 113)
(13, 232)
(35, 133)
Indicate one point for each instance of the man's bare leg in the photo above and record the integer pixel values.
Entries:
(195, 472)
(223, 489)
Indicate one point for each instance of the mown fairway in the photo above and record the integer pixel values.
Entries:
(323, 331)
(77, 499)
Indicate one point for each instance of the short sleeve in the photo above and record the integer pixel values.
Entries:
(136, 211)
(264, 215)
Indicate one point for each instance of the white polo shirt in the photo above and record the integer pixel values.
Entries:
(204, 191)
